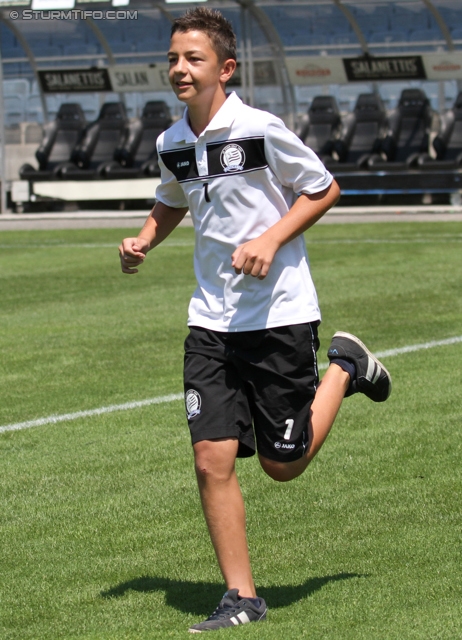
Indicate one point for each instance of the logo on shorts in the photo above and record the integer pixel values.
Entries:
(232, 158)
(193, 403)
(284, 446)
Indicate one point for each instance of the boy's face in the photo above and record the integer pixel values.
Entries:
(195, 72)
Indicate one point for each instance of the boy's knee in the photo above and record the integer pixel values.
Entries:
(283, 471)
(204, 463)
(213, 462)
(209, 472)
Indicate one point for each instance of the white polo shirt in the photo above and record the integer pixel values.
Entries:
(238, 178)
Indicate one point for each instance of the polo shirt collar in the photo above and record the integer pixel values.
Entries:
(223, 119)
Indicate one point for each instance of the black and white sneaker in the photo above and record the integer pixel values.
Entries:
(231, 612)
(371, 378)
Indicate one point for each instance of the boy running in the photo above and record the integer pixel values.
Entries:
(250, 371)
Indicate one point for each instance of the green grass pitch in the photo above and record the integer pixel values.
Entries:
(102, 536)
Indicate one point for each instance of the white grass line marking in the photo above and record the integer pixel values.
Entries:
(179, 396)
(100, 245)
(457, 238)
(409, 349)
(91, 412)
(415, 240)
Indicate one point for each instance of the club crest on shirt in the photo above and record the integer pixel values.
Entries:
(193, 403)
(232, 158)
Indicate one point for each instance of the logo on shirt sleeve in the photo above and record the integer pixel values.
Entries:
(232, 158)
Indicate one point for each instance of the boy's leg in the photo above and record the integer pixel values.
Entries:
(220, 422)
(353, 369)
(224, 511)
(326, 404)
(324, 409)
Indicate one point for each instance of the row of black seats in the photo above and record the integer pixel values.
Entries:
(371, 139)
(367, 139)
(111, 147)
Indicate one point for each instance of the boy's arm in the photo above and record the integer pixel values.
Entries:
(255, 257)
(160, 223)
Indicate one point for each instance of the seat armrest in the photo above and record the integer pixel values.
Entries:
(61, 169)
(412, 160)
(374, 159)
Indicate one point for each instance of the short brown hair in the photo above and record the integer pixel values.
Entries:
(214, 25)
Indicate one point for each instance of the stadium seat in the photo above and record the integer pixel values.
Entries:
(90, 105)
(99, 142)
(322, 126)
(119, 48)
(137, 157)
(370, 17)
(448, 143)
(59, 140)
(425, 39)
(301, 40)
(385, 41)
(348, 94)
(402, 17)
(451, 15)
(390, 92)
(408, 135)
(80, 48)
(362, 134)
(456, 33)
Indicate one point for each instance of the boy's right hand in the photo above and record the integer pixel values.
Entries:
(132, 253)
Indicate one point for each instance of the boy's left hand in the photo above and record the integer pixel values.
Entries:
(254, 258)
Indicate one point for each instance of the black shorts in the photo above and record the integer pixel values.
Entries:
(256, 386)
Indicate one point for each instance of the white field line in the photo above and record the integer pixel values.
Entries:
(409, 349)
(454, 238)
(457, 238)
(179, 396)
(100, 245)
(91, 412)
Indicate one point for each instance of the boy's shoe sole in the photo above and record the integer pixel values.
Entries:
(231, 612)
(372, 378)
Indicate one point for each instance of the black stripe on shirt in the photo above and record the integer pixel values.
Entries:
(226, 158)
(181, 162)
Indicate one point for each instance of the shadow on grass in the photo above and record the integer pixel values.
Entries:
(199, 597)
